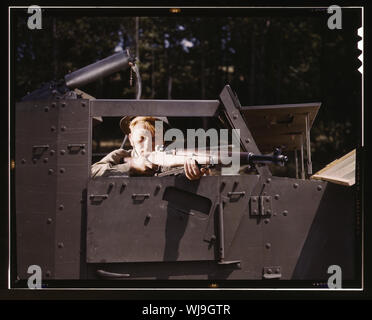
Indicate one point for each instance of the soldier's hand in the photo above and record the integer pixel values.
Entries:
(192, 170)
(141, 166)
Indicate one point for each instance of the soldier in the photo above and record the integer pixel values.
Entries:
(141, 134)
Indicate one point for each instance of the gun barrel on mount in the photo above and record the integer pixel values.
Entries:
(114, 63)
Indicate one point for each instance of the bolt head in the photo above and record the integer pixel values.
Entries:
(268, 245)
(285, 212)
(295, 185)
(269, 271)
(268, 180)
(276, 197)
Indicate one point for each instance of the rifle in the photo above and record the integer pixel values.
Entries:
(178, 157)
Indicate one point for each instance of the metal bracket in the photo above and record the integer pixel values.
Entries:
(260, 206)
(98, 197)
(140, 196)
(273, 272)
(221, 237)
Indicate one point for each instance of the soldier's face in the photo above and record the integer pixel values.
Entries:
(141, 139)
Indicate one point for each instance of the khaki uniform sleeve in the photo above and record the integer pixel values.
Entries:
(110, 165)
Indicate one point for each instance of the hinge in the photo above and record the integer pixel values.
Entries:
(273, 272)
(260, 206)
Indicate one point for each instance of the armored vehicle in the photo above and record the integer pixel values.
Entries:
(255, 226)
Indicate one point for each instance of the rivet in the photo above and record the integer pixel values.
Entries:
(254, 199)
(148, 216)
(34, 160)
(62, 170)
(266, 221)
(285, 212)
(268, 180)
(235, 116)
(269, 271)
(276, 197)
(49, 220)
(62, 152)
(83, 104)
(267, 200)
(255, 211)
(50, 171)
(213, 238)
(48, 273)
(60, 245)
(319, 188)
(53, 128)
(247, 140)
(63, 128)
(83, 151)
(46, 109)
(295, 185)
(53, 105)
(63, 104)
(61, 207)
(268, 211)
(45, 160)
(23, 161)
(277, 270)
(268, 245)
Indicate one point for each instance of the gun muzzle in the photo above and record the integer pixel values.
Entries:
(116, 62)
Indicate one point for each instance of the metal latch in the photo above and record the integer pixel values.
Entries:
(272, 272)
(260, 206)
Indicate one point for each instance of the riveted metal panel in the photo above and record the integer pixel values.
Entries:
(147, 219)
(35, 181)
(235, 193)
(73, 172)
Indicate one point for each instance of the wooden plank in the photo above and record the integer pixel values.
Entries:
(340, 171)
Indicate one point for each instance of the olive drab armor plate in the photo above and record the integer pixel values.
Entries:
(247, 227)
(165, 221)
